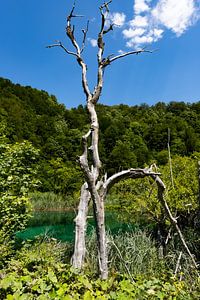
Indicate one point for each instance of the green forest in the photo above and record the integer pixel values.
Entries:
(40, 146)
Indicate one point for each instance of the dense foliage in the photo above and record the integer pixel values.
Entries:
(40, 141)
(18, 176)
(129, 136)
(40, 271)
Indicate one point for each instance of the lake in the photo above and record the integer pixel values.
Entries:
(60, 225)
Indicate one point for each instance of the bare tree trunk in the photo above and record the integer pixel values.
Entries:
(80, 229)
(91, 170)
(99, 214)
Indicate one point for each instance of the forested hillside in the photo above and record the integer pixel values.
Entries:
(130, 136)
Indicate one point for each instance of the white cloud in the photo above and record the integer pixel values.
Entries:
(139, 21)
(132, 32)
(115, 18)
(138, 40)
(175, 15)
(93, 42)
(157, 33)
(121, 51)
(141, 6)
(152, 18)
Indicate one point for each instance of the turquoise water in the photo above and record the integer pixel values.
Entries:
(60, 225)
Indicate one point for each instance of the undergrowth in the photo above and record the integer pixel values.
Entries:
(41, 270)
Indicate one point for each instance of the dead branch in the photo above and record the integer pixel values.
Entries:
(161, 197)
(106, 6)
(170, 160)
(85, 31)
(131, 173)
(178, 263)
(59, 44)
(135, 52)
(70, 29)
(101, 44)
(110, 28)
(71, 15)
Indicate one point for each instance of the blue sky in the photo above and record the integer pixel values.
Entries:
(171, 73)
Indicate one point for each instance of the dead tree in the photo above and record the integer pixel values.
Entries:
(95, 187)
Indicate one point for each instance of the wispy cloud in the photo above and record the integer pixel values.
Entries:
(150, 20)
(115, 18)
(93, 42)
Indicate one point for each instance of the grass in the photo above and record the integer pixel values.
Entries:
(50, 201)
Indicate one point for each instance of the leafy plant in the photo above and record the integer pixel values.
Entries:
(18, 168)
(17, 177)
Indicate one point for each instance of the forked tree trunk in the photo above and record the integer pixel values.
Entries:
(91, 167)
(93, 187)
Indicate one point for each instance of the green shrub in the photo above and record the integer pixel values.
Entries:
(14, 215)
(38, 271)
(17, 177)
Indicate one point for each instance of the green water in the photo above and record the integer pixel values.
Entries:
(60, 225)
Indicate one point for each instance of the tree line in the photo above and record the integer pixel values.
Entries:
(36, 116)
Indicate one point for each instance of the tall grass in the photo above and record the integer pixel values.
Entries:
(129, 252)
(135, 253)
(49, 201)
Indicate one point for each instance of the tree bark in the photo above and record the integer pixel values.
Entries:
(99, 214)
(80, 228)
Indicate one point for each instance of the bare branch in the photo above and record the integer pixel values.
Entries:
(70, 30)
(71, 15)
(70, 33)
(178, 263)
(85, 31)
(59, 44)
(135, 52)
(110, 28)
(106, 6)
(131, 173)
(170, 159)
(101, 44)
